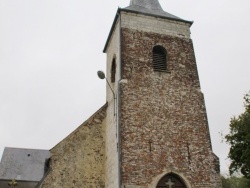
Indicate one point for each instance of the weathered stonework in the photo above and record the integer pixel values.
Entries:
(155, 123)
(146, 23)
(111, 120)
(164, 125)
(79, 160)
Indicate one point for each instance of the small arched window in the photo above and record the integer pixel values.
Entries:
(113, 70)
(159, 59)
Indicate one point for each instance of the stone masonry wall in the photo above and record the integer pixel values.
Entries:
(113, 53)
(155, 25)
(79, 160)
(164, 124)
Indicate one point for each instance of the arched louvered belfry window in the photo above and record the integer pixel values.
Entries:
(113, 70)
(159, 59)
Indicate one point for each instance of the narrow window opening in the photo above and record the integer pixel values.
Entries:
(159, 59)
(113, 71)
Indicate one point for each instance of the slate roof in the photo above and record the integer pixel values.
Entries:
(23, 164)
(150, 7)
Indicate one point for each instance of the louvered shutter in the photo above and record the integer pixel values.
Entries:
(159, 59)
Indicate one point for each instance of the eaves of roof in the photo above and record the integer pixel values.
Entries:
(142, 11)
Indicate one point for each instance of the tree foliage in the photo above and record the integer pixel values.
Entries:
(235, 182)
(239, 140)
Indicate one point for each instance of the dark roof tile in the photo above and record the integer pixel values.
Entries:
(23, 164)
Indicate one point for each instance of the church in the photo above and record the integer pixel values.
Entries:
(153, 130)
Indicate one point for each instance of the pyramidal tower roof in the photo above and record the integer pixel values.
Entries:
(150, 4)
(150, 7)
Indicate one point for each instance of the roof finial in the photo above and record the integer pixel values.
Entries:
(149, 4)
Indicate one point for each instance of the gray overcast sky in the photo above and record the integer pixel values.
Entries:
(50, 51)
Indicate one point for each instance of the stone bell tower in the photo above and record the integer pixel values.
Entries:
(157, 132)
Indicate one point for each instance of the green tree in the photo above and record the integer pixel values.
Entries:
(235, 182)
(239, 140)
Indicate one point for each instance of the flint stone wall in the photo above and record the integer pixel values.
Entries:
(164, 124)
